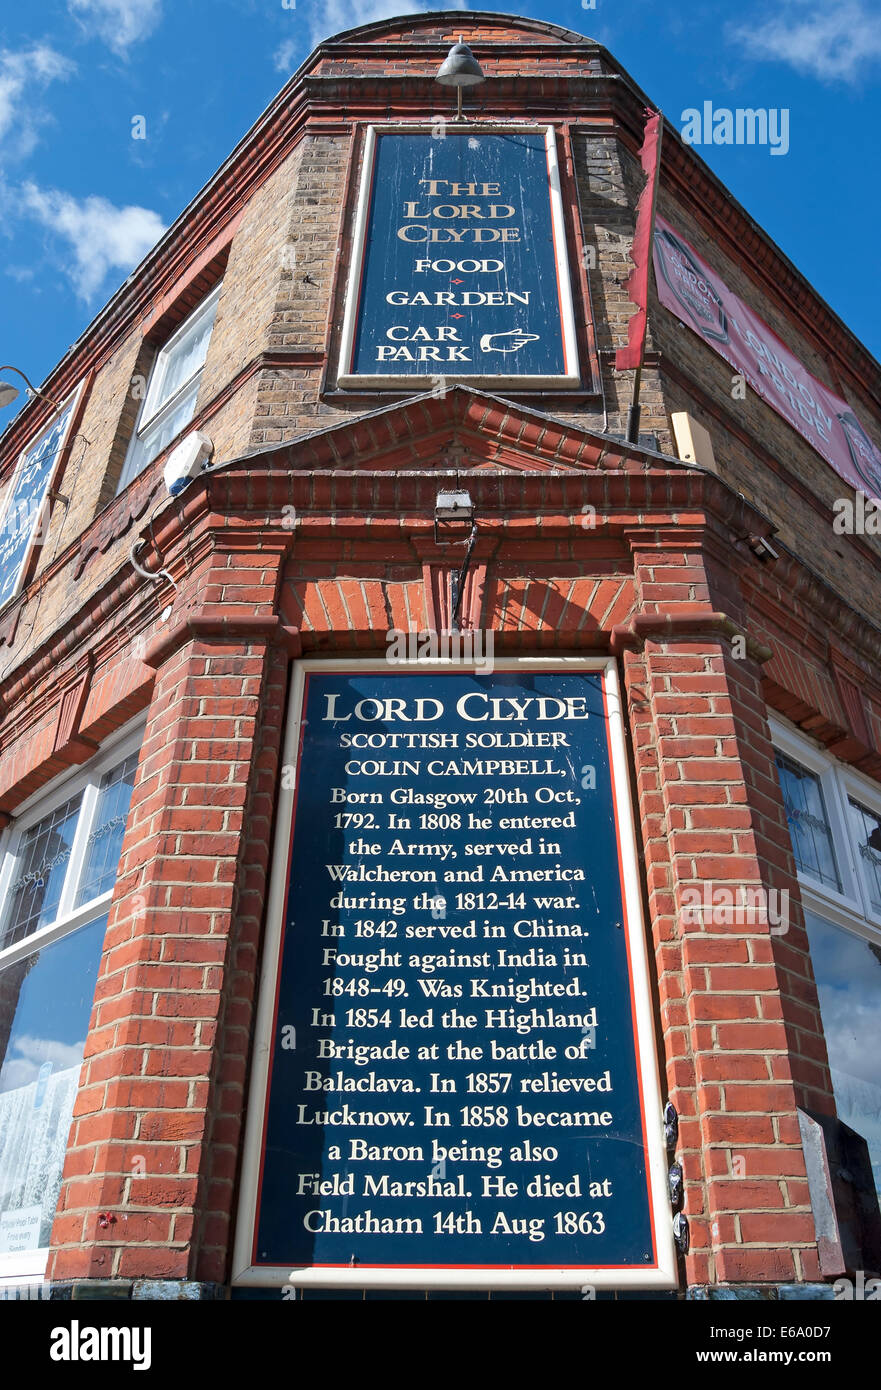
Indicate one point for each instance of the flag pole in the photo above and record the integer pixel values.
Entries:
(633, 414)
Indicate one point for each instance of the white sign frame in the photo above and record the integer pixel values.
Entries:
(661, 1276)
(569, 380)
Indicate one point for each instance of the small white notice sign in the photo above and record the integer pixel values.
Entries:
(20, 1230)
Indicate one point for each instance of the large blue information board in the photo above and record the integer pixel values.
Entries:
(460, 266)
(454, 1077)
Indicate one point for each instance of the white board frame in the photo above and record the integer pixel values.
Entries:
(660, 1276)
(569, 380)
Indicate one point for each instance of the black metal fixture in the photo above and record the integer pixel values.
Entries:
(674, 1179)
(681, 1232)
(671, 1125)
(456, 510)
(9, 393)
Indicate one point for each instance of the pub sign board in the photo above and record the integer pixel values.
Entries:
(459, 263)
(24, 509)
(454, 1082)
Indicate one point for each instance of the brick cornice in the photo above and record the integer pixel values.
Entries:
(798, 582)
(212, 623)
(681, 627)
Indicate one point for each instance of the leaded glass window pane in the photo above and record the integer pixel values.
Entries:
(105, 841)
(43, 861)
(808, 822)
(866, 829)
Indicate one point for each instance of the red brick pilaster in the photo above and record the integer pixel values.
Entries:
(738, 1009)
(148, 1181)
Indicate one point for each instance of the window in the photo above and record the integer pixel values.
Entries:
(56, 881)
(808, 822)
(834, 817)
(170, 401)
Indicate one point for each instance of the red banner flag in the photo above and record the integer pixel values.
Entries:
(637, 282)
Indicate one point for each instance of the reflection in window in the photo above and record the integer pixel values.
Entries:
(848, 974)
(45, 1002)
(866, 829)
(808, 822)
(35, 893)
(105, 841)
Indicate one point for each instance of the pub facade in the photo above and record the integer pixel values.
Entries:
(441, 805)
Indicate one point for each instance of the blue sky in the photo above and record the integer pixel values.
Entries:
(82, 200)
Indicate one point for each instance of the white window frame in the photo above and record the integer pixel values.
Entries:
(148, 417)
(851, 907)
(29, 1266)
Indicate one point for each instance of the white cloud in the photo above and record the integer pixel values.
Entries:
(284, 57)
(20, 73)
(118, 23)
(28, 1053)
(101, 236)
(833, 44)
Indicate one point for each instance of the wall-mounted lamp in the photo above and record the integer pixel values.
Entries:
(9, 393)
(460, 69)
(456, 510)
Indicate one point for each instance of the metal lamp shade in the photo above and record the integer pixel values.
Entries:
(460, 68)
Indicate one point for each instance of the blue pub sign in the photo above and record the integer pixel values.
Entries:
(455, 1079)
(459, 265)
(24, 510)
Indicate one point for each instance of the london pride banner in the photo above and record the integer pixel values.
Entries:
(460, 266)
(695, 294)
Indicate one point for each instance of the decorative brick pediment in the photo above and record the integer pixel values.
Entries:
(464, 427)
